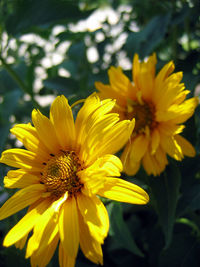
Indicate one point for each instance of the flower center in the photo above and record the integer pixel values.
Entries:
(144, 115)
(60, 174)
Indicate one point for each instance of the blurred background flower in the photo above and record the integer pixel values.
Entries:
(158, 104)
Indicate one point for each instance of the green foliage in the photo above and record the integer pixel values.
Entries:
(166, 232)
(120, 231)
(165, 194)
(146, 41)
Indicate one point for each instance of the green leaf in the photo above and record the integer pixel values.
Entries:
(42, 13)
(61, 85)
(183, 252)
(165, 194)
(7, 108)
(6, 83)
(69, 65)
(190, 201)
(77, 52)
(9, 104)
(73, 36)
(119, 230)
(4, 131)
(145, 41)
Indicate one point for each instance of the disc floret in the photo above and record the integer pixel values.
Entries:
(60, 173)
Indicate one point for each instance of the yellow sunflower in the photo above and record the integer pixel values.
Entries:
(159, 105)
(66, 165)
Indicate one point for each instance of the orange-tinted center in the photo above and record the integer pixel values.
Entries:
(144, 115)
(60, 174)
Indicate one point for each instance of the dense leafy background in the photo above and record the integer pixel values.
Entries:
(166, 232)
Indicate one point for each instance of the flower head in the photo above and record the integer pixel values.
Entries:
(65, 167)
(159, 105)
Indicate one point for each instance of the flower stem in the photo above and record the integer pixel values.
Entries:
(19, 82)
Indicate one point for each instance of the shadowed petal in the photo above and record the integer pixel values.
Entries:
(90, 247)
(64, 259)
(95, 216)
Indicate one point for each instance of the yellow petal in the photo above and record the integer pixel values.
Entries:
(169, 128)
(93, 176)
(111, 141)
(107, 91)
(144, 75)
(120, 190)
(62, 119)
(45, 131)
(161, 158)
(104, 124)
(96, 133)
(150, 164)
(178, 113)
(185, 110)
(25, 225)
(165, 72)
(49, 234)
(171, 88)
(21, 158)
(130, 167)
(21, 243)
(159, 80)
(21, 199)
(155, 140)
(138, 147)
(68, 227)
(42, 258)
(95, 216)
(89, 246)
(64, 259)
(171, 147)
(19, 179)
(91, 112)
(120, 84)
(45, 228)
(27, 134)
(186, 147)
(136, 67)
(181, 97)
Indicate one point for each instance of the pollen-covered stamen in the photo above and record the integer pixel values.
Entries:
(60, 174)
(144, 115)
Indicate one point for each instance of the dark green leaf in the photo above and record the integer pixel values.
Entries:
(68, 35)
(184, 251)
(9, 104)
(119, 230)
(190, 201)
(70, 66)
(7, 108)
(145, 41)
(165, 194)
(29, 14)
(6, 83)
(4, 131)
(76, 52)
(61, 85)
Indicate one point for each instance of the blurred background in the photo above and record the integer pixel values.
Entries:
(53, 47)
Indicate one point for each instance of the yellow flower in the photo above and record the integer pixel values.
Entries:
(66, 165)
(158, 104)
